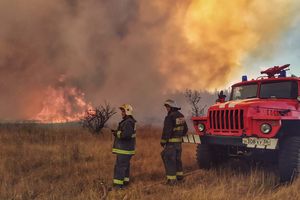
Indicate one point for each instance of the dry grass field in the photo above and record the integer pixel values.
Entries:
(66, 162)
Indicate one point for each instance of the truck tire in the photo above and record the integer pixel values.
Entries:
(209, 156)
(221, 154)
(204, 156)
(289, 159)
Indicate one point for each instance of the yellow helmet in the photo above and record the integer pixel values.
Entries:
(128, 109)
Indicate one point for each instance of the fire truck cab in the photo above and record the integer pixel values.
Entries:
(262, 115)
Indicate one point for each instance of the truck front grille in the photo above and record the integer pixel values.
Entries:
(226, 119)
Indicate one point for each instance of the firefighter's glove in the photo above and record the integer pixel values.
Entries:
(114, 132)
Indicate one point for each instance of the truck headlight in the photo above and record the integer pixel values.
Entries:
(201, 127)
(265, 128)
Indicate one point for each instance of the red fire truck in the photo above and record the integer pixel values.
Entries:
(262, 116)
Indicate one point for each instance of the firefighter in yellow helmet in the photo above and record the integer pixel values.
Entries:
(124, 146)
(174, 128)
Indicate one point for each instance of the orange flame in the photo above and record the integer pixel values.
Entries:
(63, 104)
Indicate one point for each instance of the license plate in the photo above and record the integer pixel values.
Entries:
(257, 141)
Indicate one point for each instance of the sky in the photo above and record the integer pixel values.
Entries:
(284, 51)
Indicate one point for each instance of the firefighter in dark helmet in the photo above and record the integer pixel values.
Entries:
(174, 128)
(124, 146)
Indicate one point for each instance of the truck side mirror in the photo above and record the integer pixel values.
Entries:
(298, 98)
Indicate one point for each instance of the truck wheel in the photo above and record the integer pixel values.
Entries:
(289, 159)
(204, 156)
(220, 154)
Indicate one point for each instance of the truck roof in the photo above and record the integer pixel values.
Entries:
(266, 79)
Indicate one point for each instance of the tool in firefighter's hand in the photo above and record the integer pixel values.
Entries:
(114, 132)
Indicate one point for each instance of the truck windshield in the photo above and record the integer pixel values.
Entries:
(280, 90)
(244, 92)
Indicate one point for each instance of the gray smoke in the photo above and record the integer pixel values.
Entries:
(122, 51)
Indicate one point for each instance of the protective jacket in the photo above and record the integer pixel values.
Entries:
(125, 137)
(174, 127)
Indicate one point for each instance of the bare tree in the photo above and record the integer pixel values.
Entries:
(193, 97)
(95, 119)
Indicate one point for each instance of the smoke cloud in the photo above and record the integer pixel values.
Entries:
(135, 51)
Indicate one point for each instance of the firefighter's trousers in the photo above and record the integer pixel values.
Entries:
(171, 156)
(122, 169)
